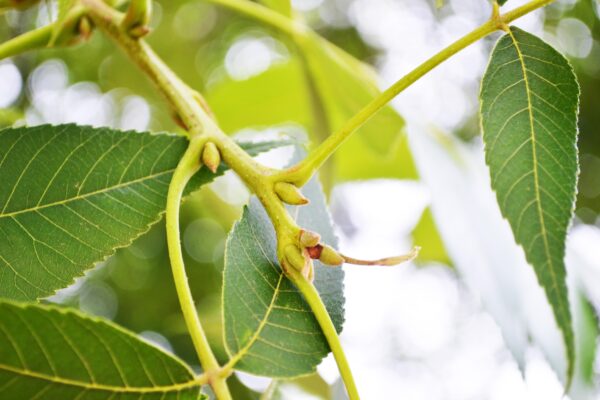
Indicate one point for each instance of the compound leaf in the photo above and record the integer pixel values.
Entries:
(529, 103)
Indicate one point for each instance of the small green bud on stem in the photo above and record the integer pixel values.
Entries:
(326, 254)
(85, 28)
(299, 260)
(72, 31)
(290, 194)
(211, 157)
(309, 238)
(137, 18)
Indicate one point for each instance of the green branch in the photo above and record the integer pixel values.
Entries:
(36, 39)
(316, 304)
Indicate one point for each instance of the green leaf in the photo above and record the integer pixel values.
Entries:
(269, 328)
(529, 103)
(283, 98)
(72, 195)
(49, 353)
(346, 85)
(501, 2)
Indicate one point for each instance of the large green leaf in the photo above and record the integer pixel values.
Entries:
(268, 325)
(529, 102)
(283, 98)
(47, 353)
(71, 195)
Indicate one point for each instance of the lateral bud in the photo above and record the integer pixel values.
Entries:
(85, 28)
(72, 31)
(299, 260)
(290, 194)
(329, 256)
(309, 238)
(137, 18)
(211, 157)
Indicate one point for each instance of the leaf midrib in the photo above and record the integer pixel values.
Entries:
(544, 233)
(86, 195)
(100, 387)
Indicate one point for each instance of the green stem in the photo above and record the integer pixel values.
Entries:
(191, 112)
(31, 40)
(187, 167)
(303, 171)
(316, 304)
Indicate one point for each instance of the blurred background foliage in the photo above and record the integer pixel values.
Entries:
(259, 83)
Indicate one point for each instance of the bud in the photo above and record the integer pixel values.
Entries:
(309, 238)
(331, 257)
(137, 18)
(295, 258)
(85, 28)
(290, 194)
(71, 31)
(211, 157)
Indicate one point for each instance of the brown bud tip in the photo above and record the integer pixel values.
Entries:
(290, 194)
(211, 157)
(331, 257)
(309, 238)
(315, 251)
(295, 258)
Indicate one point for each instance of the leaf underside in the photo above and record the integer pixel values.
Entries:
(71, 195)
(267, 323)
(47, 353)
(529, 103)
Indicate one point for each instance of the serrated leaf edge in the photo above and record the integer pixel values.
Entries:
(118, 389)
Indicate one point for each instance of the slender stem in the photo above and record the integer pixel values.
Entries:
(187, 167)
(303, 171)
(35, 39)
(316, 304)
(191, 112)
